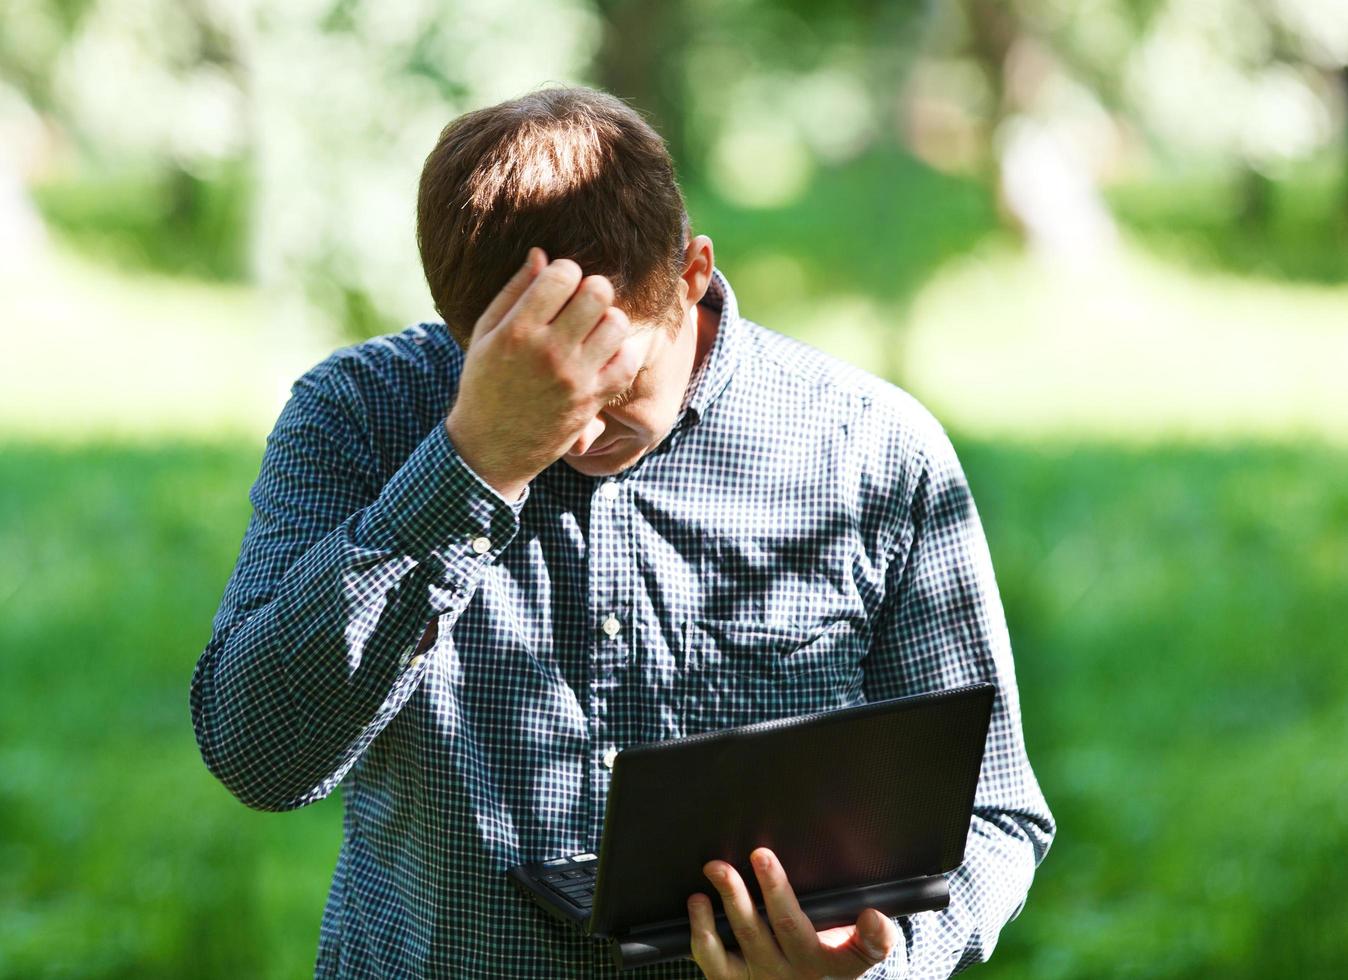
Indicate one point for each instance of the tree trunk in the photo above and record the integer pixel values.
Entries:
(641, 60)
(1343, 188)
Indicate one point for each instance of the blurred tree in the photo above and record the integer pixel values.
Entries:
(349, 98)
(1084, 89)
(1314, 33)
(188, 135)
(147, 106)
(641, 60)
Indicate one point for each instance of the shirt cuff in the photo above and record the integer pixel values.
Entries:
(436, 503)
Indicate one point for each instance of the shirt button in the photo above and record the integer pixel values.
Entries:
(415, 662)
(610, 754)
(611, 625)
(609, 489)
(481, 544)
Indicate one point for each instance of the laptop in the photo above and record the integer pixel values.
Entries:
(866, 806)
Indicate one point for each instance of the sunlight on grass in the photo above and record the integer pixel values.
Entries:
(1133, 348)
(94, 352)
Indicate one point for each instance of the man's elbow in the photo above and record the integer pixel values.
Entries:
(1020, 839)
(1033, 826)
(1041, 828)
(261, 776)
(258, 795)
(257, 785)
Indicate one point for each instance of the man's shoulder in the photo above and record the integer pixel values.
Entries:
(405, 366)
(420, 347)
(879, 405)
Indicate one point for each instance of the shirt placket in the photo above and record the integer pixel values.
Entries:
(611, 612)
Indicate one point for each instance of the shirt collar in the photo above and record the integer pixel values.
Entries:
(721, 358)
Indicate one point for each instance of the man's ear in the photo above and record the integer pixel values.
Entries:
(698, 262)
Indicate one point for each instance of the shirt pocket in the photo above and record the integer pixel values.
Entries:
(738, 672)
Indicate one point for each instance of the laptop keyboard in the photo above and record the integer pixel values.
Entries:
(571, 877)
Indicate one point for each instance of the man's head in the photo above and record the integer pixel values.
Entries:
(582, 175)
(573, 170)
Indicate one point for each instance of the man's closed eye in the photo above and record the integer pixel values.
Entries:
(625, 396)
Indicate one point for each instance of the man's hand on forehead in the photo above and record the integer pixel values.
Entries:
(546, 355)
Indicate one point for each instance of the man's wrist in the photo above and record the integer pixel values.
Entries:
(436, 502)
(511, 490)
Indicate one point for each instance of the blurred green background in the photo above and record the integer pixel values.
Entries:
(1106, 241)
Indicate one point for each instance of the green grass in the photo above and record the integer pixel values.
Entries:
(92, 352)
(119, 854)
(1176, 615)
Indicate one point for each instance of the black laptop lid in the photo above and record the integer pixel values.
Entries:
(854, 796)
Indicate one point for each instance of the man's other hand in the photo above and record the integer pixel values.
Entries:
(786, 945)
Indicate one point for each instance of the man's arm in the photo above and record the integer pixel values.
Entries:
(311, 652)
(942, 626)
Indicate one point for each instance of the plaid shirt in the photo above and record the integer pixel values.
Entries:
(465, 666)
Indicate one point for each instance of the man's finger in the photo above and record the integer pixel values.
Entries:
(496, 310)
(791, 927)
(751, 932)
(709, 953)
(548, 293)
(870, 941)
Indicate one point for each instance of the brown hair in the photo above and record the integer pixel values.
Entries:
(573, 170)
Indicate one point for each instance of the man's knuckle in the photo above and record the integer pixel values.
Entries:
(598, 287)
(745, 934)
(785, 925)
(557, 364)
(565, 270)
(626, 364)
(510, 340)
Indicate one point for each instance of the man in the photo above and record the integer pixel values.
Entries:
(626, 513)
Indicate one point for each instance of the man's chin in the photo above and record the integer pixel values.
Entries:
(593, 467)
(605, 464)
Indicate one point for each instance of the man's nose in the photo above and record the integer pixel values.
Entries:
(594, 429)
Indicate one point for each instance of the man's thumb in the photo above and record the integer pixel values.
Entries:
(873, 932)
